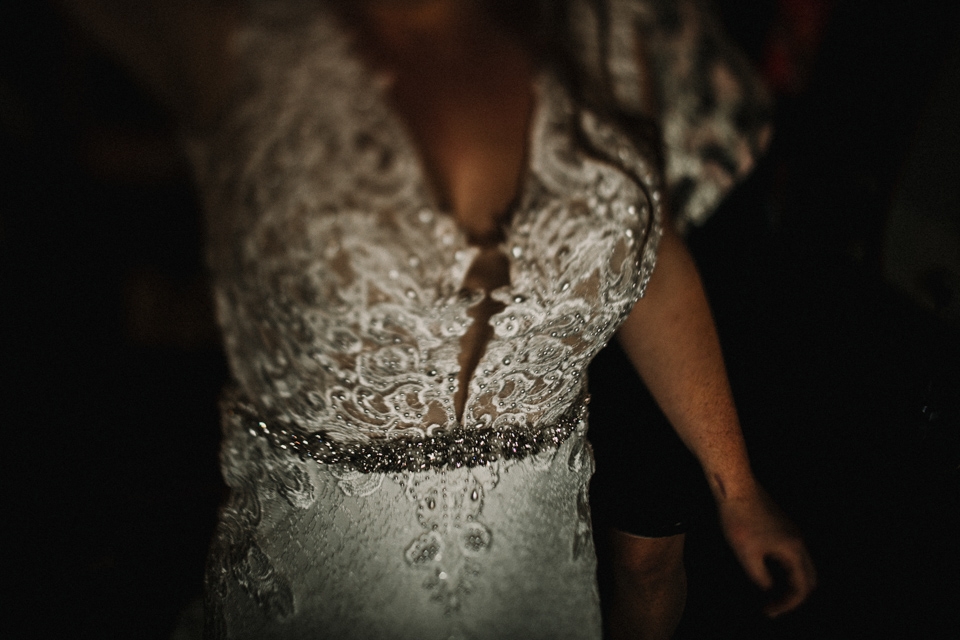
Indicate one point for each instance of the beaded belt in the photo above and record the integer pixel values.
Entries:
(448, 449)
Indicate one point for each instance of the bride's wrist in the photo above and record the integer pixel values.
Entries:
(731, 487)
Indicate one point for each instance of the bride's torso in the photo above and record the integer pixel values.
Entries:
(463, 87)
(385, 267)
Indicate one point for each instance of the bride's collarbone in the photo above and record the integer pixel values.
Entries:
(471, 136)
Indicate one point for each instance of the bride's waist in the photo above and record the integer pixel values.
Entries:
(441, 447)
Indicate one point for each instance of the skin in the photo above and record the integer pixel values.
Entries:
(669, 336)
(469, 120)
(671, 340)
(463, 87)
(650, 586)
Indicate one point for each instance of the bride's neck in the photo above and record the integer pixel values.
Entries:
(406, 18)
(399, 29)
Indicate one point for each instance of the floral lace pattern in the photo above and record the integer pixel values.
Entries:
(339, 289)
(339, 284)
(235, 554)
(300, 545)
(453, 538)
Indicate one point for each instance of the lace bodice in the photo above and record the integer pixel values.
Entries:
(340, 288)
(339, 282)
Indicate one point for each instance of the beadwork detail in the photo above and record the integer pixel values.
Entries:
(339, 282)
(445, 449)
(340, 287)
(454, 540)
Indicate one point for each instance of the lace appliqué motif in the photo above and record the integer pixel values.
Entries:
(339, 283)
(339, 289)
(235, 554)
(454, 539)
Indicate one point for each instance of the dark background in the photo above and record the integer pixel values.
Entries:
(839, 320)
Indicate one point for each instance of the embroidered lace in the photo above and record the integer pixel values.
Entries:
(339, 289)
(338, 282)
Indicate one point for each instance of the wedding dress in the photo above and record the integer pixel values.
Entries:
(361, 505)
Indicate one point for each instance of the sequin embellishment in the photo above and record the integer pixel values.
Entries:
(445, 449)
(454, 539)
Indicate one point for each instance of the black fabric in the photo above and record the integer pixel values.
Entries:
(646, 483)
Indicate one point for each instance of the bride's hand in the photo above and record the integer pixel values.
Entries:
(760, 534)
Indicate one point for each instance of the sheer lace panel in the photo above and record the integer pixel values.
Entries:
(490, 270)
(340, 286)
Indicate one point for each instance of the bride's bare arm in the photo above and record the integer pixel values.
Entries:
(671, 340)
(178, 49)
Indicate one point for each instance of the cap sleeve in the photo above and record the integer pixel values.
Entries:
(671, 62)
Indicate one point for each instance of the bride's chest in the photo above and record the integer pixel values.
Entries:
(315, 189)
(338, 272)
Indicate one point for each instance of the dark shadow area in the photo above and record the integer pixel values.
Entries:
(846, 375)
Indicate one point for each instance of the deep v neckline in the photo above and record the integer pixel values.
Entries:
(479, 333)
(432, 192)
(339, 285)
(488, 264)
(378, 84)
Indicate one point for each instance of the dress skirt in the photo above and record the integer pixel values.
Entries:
(307, 550)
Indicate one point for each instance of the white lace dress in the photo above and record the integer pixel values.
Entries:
(360, 506)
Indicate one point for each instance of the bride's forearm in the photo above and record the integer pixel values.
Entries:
(671, 339)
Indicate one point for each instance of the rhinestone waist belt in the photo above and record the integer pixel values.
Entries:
(446, 449)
